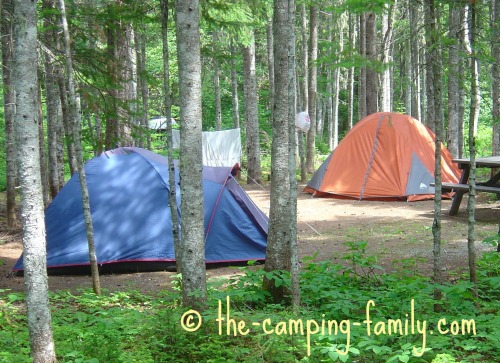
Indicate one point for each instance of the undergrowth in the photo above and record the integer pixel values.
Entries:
(354, 314)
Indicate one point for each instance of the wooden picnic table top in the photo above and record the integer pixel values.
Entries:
(487, 162)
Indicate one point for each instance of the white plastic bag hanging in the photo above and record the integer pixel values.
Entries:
(302, 121)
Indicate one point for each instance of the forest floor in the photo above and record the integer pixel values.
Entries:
(399, 234)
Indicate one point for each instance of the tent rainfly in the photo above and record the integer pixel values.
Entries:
(129, 201)
(386, 156)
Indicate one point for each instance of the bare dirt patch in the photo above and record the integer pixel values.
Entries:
(393, 230)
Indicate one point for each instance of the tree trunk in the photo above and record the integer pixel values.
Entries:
(54, 112)
(74, 111)
(140, 47)
(495, 73)
(387, 46)
(362, 70)
(9, 102)
(41, 144)
(234, 89)
(371, 55)
(251, 114)
(416, 107)
(25, 82)
(473, 118)
(218, 106)
(455, 25)
(281, 213)
(305, 59)
(430, 51)
(192, 254)
(270, 63)
(312, 89)
(350, 77)
(172, 196)
(68, 129)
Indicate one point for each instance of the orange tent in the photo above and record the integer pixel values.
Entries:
(386, 156)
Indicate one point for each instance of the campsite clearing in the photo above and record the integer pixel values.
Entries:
(398, 233)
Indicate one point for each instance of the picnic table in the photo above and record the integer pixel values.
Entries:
(492, 185)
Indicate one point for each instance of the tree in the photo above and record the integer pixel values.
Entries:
(281, 246)
(25, 82)
(8, 101)
(75, 118)
(371, 55)
(251, 112)
(312, 87)
(495, 73)
(191, 256)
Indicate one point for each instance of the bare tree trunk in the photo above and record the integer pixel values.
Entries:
(330, 86)
(416, 108)
(172, 196)
(473, 118)
(282, 216)
(251, 114)
(350, 82)
(140, 47)
(305, 59)
(386, 89)
(371, 55)
(234, 89)
(75, 117)
(313, 73)
(54, 112)
(6, 36)
(430, 51)
(68, 129)
(218, 106)
(270, 63)
(495, 73)
(362, 70)
(25, 82)
(192, 254)
(41, 144)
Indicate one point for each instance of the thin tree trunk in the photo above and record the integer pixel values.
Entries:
(473, 117)
(292, 107)
(386, 89)
(68, 128)
(305, 59)
(76, 125)
(350, 82)
(218, 106)
(371, 73)
(312, 88)
(416, 108)
(172, 196)
(270, 63)
(140, 48)
(495, 72)
(454, 120)
(430, 51)
(54, 112)
(25, 82)
(9, 108)
(234, 89)
(41, 144)
(362, 70)
(192, 254)
(251, 114)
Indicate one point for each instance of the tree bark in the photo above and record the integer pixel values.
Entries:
(350, 77)
(282, 225)
(6, 35)
(416, 108)
(371, 73)
(25, 82)
(218, 106)
(192, 254)
(75, 117)
(305, 59)
(430, 52)
(473, 117)
(251, 114)
(495, 73)
(387, 46)
(270, 63)
(312, 88)
(362, 70)
(172, 196)
(234, 89)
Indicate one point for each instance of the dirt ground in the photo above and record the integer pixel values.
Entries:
(395, 231)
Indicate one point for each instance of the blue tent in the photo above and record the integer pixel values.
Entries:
(128, 190)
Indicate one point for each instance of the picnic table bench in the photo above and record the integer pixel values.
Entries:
(490, 186)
